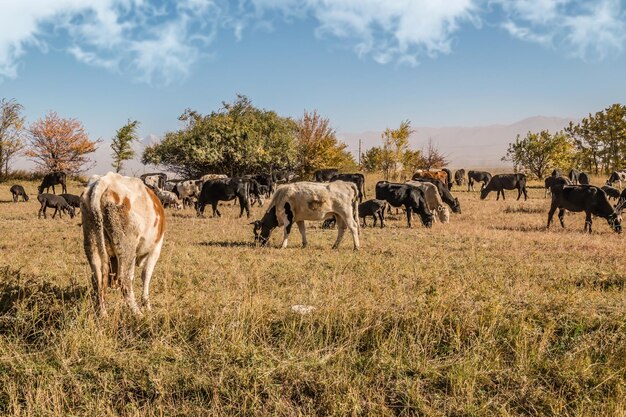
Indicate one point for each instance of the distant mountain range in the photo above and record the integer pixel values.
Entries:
(466, 147)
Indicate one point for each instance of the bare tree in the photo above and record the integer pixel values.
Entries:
(11, 131)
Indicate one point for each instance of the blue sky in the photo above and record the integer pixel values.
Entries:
(365, 64)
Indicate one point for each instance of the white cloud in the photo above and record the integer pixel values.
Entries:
(159, 41)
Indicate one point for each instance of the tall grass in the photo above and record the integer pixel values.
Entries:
(488, 315)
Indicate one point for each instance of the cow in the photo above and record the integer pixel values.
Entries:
(433, 200)
(459, 177)
(557, 173)
(283, 176)
(72, 199)
(211, 177)
(573, 176)
(324, 175)
(52, 179)
(56, 202)
(267, 180)
(154, 180)
(450, 181)
(168, 199)
(410, 197)
(446, 195)
(422, 174)
(228, 189)
(611, 192)
(374, 208)
(477, 176)
(551, 181)
(295, 203)
(18, 191)
(358, 179)
(588, 198)
(187, 190)
(503, 182)
(617, 176)
(583, 178)
(123, 226)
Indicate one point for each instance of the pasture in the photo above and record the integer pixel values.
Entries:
(488, 315)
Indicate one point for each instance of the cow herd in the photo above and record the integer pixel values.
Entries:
(123, 218)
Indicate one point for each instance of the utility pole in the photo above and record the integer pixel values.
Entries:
(359, 152)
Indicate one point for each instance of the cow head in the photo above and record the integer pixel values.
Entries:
(25, 197)
(484, 192)
(40, 189)
(263, 228)
(70, 210)
(615, 221)
(456, 207)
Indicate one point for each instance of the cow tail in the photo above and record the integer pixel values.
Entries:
(355, 205)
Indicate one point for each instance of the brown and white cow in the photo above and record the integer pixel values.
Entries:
(300, 201)
(435, 175)
(433, 200)
(123, 226)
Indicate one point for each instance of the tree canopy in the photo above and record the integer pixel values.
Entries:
(122, 144)
(11, 131)
(539, 153)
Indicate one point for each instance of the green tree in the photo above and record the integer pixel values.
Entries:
(372, 159)
(122, 144)
(237, 139)
(413, 160)
(540, 152)
(11, 132)
(318, 147)
(395, 144)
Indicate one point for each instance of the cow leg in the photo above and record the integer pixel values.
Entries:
(53, 192)
(341, 229)
(588, 221)
(302, 230)
(562, 217)
(408, 216)
(56, 210)
(215, 210)
(99, 270)
(146, 275)
(550, 215)
(126, 276)
(503, 197)
(525, 193)
(381, 216)
(365, 224)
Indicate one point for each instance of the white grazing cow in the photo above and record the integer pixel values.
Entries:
(433, 200)
(168, 199)
(123, 224)
(300, 201)
(211, 177)
(188, 189)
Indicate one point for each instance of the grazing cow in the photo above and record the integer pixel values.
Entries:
(583, 178)
(477, 176)
(445, 195)
(325, 175)
(123, 226)
(267, 180)
(168, 199)
(154, 180)
(52, 179)
(503, 182)
(227, 189)
(551, 181)
(611, 192)
(573, 176)
(433, 200)
(18, 191)
(617, 176)
(422, 174)
(449, 180)
(410, 197)
(459, 177)
(358, 179)
(283, 176)
(588, 198)
(374, 208)
(187, 190)
(56, 202)
(295, 203)
(72, 199)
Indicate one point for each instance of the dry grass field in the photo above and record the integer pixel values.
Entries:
(488, 315)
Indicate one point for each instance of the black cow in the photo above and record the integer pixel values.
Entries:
(267, 180)
(449, 181)
(358, 179)
(554, 181)
(611, 192)
(459, 176)
(72, 199)
(228, 189)
(283, 176)
(573, 176)
(52, 179)
(18, 191)
(588, 198)
(445, 194)
(324, 175)
(583, 178)
(617, 176)
(374, 208)
(503, 182)
(56, 202)
(557, 173)
(477, 176)
(411, 198)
